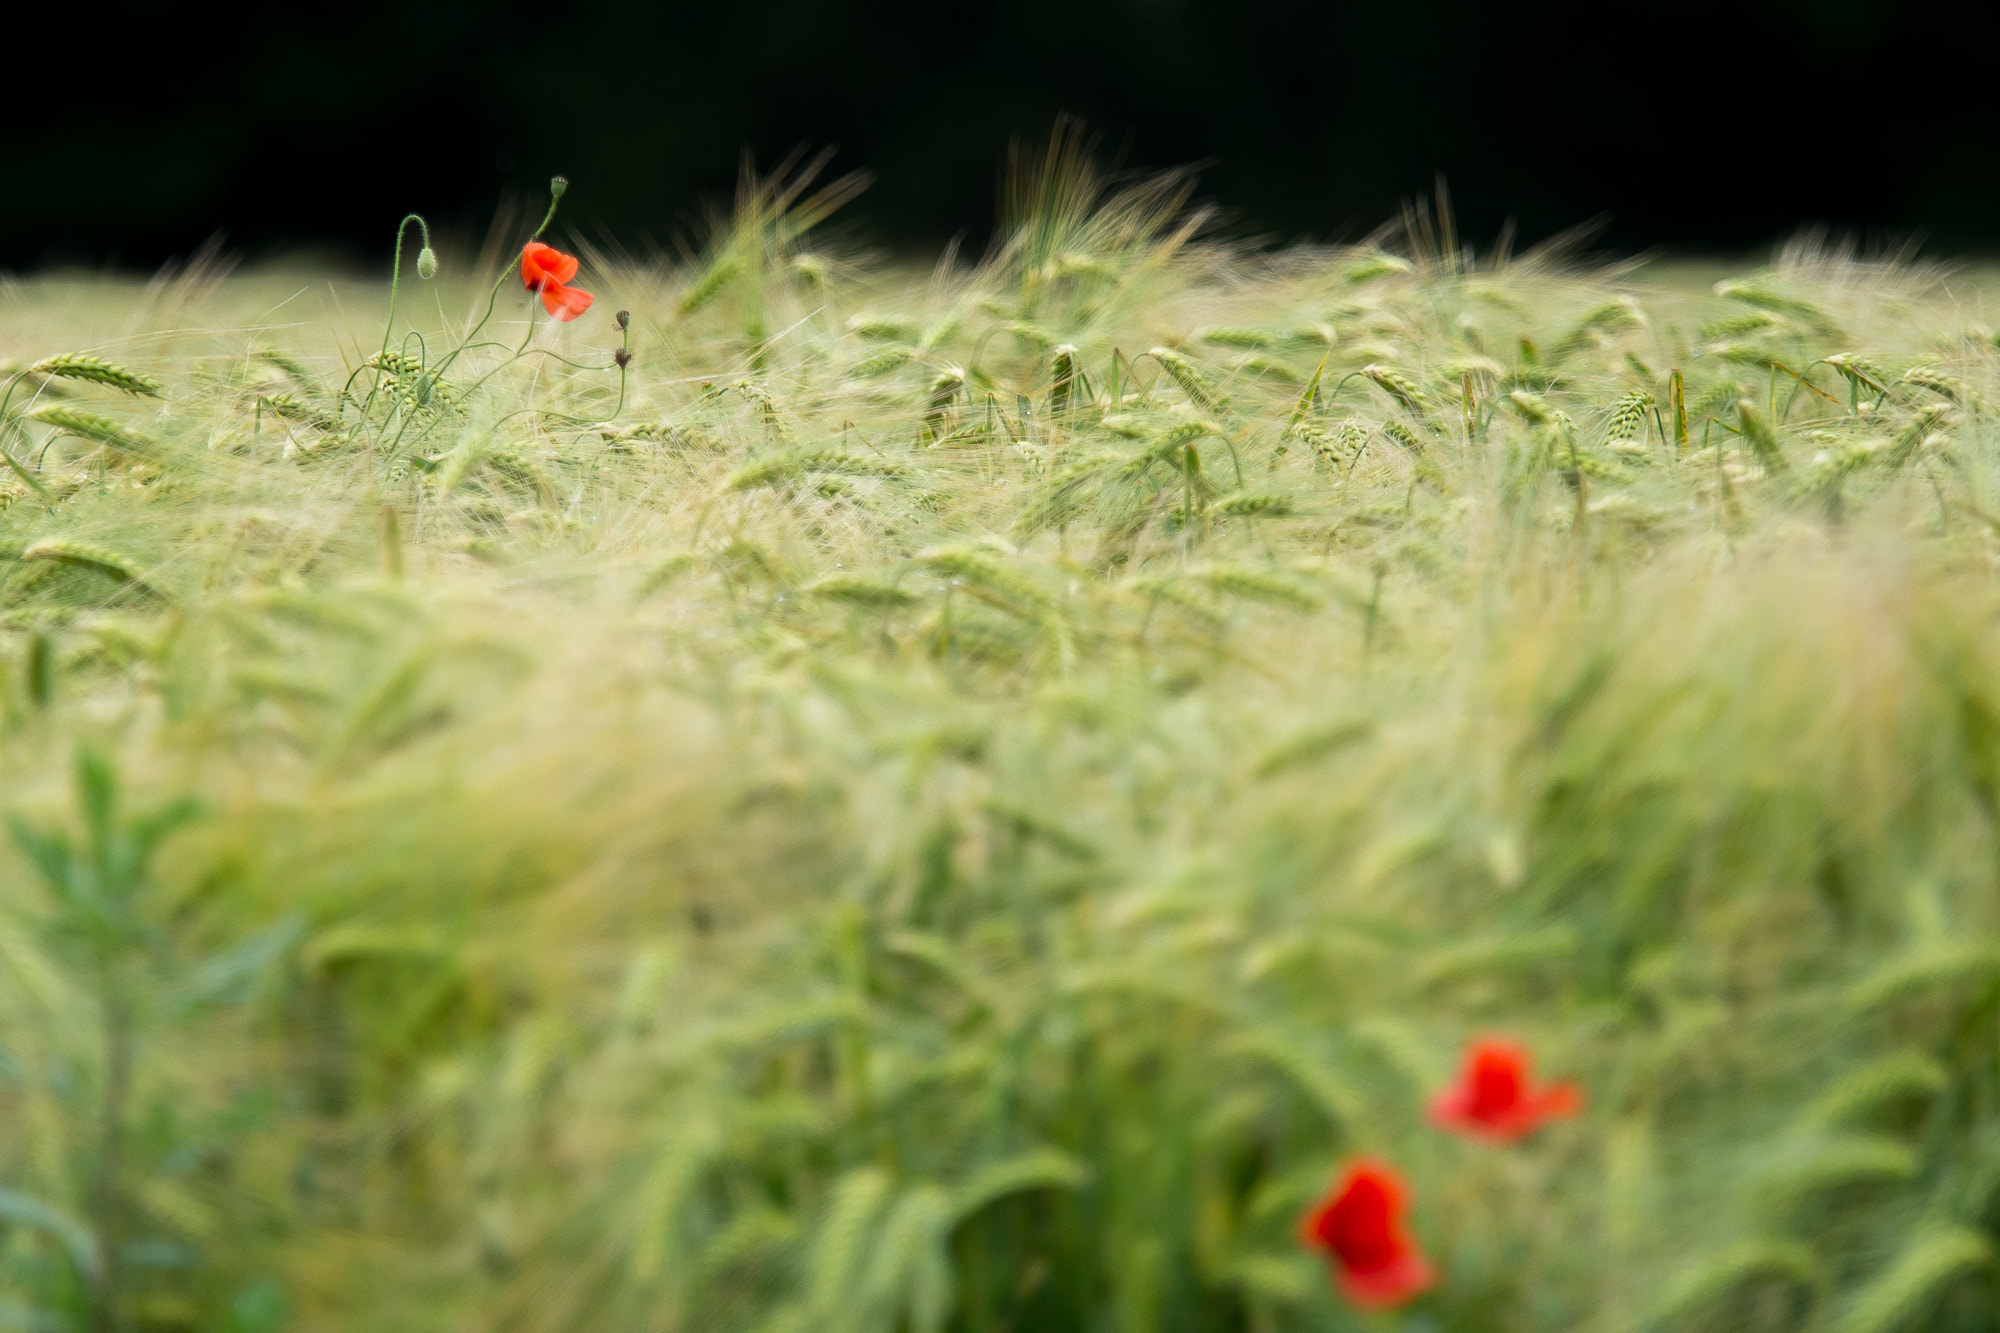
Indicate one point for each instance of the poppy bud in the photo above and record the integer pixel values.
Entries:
(557, 186)
(623, 356)
(624, 319)
(427, 263)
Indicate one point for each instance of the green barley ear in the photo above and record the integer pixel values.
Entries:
(945, 389)
(1250, 340)
(1249, 504)
(1308, 400)
(1916, 1279)
(1514, 953)
(1529, 405)
(711, 283)
(289, 407)
(90, 426)
(663, 572)
(1629, 416)
(427, 263)
(1949, 969)
(855, 590)
(1610, 317)
(96, 370)
(782, 469)
(1941, 384)
(1859, 372)
(884, 362)
(85, 555)
(1267, 368)
(1736, 326)
(1761, 297)
(811, 269)
(1062, 378)
(291, 365)
(1375, 266)
(1192, 382)
(1906, 1075)
(1255, 585)
(987, 576)
(1757, 433)
(1400, 387)
(844, 1238)
(885, 328)
(1729, 1281)
(1310, 746)
(1834, 1162)
(1404, 436)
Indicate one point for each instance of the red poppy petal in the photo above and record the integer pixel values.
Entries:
(544, 264)
(533, 272)
(1450, 1109)
(1365, 1201)
(1560, 1099)
(565, 303)
(1397, 1282)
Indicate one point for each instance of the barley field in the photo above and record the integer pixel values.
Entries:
(889, 798)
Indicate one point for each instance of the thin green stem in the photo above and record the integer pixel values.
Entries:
(395, 285)
(108, 1190)
(493, 297)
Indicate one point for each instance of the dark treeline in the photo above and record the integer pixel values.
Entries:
(1713, 124)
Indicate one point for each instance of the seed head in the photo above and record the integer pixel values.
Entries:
(623, 356)
(557, 186)
(624, 319)
(427, 263)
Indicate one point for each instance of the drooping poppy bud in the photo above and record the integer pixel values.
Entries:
(1496, 1098)
(427, 263)
(1359, 1223)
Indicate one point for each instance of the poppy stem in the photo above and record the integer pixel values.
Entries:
(548, 217)
(493, 297)
(395, 282)
(624, 361)
(396, 269)
(477, 384)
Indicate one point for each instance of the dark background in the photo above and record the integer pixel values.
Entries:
(143, 129)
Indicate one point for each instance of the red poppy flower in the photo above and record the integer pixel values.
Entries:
(1495, 1096)
(1359, 1223)
(547, 270)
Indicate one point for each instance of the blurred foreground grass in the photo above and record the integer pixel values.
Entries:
(973, 792)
